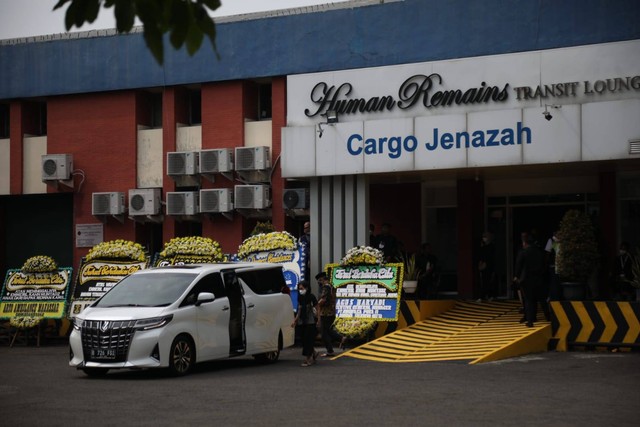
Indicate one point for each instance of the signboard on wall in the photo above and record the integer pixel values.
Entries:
(552, 106)
(89, 235)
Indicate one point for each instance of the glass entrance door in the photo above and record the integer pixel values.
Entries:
(509, 217)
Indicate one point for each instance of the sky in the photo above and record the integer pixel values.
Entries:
(25, 18)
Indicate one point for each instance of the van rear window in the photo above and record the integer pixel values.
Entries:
(263, 281)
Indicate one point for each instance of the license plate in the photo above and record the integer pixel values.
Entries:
(103, 353)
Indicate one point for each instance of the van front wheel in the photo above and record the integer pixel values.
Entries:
(182, 355)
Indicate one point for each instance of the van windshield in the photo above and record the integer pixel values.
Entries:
(147, 290)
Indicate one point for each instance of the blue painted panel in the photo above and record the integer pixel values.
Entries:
(377, 35)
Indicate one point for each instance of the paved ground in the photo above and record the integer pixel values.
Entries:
(550, 389)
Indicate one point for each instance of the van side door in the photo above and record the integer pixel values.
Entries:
(211, 318)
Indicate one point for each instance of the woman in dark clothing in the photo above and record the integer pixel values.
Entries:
(306, 320)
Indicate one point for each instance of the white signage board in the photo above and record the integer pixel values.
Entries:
(473, 112)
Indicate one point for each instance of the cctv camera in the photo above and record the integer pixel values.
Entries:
(547, 115)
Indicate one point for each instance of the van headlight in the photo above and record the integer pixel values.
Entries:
(77, 323)
(153, 322)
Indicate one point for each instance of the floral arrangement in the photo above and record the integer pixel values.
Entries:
(635, 270)
(578, 253)
(117, 249)
(263, 228)
(363, 255)
(267, 242)
(411, 270)
(26, 322)
(194, 245)
(354, 328)
(39, 264)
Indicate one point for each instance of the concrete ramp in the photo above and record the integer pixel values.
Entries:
(472, 332)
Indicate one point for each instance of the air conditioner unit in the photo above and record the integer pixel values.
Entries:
(295, 198)
(144, 201)
(216, 200)
(111, 203)
(252, 196)
(57, 167)
(182, 203)
(182, 163)
(216, 161)
(252, 158)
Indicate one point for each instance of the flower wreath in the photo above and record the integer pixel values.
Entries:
(363, 255)
(39, 264)
(267, 242)
(194, 245)
(358, 328)
(354, 328)
(25, 322)
(117, 249)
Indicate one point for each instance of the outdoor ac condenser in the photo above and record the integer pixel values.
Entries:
(252, 158)
(144, 201)
(216, 160)
(252, 196)
(182, 163)
(57, 167)
(182, 203)
(295, 198)
(216, 200)
(110, 203)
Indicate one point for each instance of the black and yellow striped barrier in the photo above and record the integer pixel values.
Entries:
(595, 324)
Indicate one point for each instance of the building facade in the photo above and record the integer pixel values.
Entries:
(443, 119)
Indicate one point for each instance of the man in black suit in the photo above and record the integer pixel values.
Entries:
(529, 274)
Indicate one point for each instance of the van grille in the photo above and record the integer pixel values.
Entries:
(104, 341)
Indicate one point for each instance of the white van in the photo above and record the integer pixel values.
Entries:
(174, 317)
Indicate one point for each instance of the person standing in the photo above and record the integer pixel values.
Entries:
(327, 311)
(552, 248)
(387, 243)
(487, 267)
(306, 320)
(427, 264)
(623, 273)
(529, 275)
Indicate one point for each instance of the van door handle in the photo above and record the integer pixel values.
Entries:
(251, 305)
(225, 308)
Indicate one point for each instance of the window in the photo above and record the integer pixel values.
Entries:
(4, 121)
(263, 281)
(211, 283)
(264, 101)
(156, 110)
(194, 99)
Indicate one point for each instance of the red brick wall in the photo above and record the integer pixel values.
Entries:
(279, 120)
(100, 131)
(223, 115)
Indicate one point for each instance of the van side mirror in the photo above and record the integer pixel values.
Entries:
(204, 297)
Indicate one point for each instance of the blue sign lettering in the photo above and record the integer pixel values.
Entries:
(394, 146)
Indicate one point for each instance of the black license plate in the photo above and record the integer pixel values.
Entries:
(103, 353)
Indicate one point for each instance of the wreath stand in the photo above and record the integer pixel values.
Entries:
(26, 334)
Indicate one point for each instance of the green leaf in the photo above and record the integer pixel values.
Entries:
(194, 39)
(60, 4)
(211, 4)
(179, 23)
(153, 38)
(93, 8)
(125, 15)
